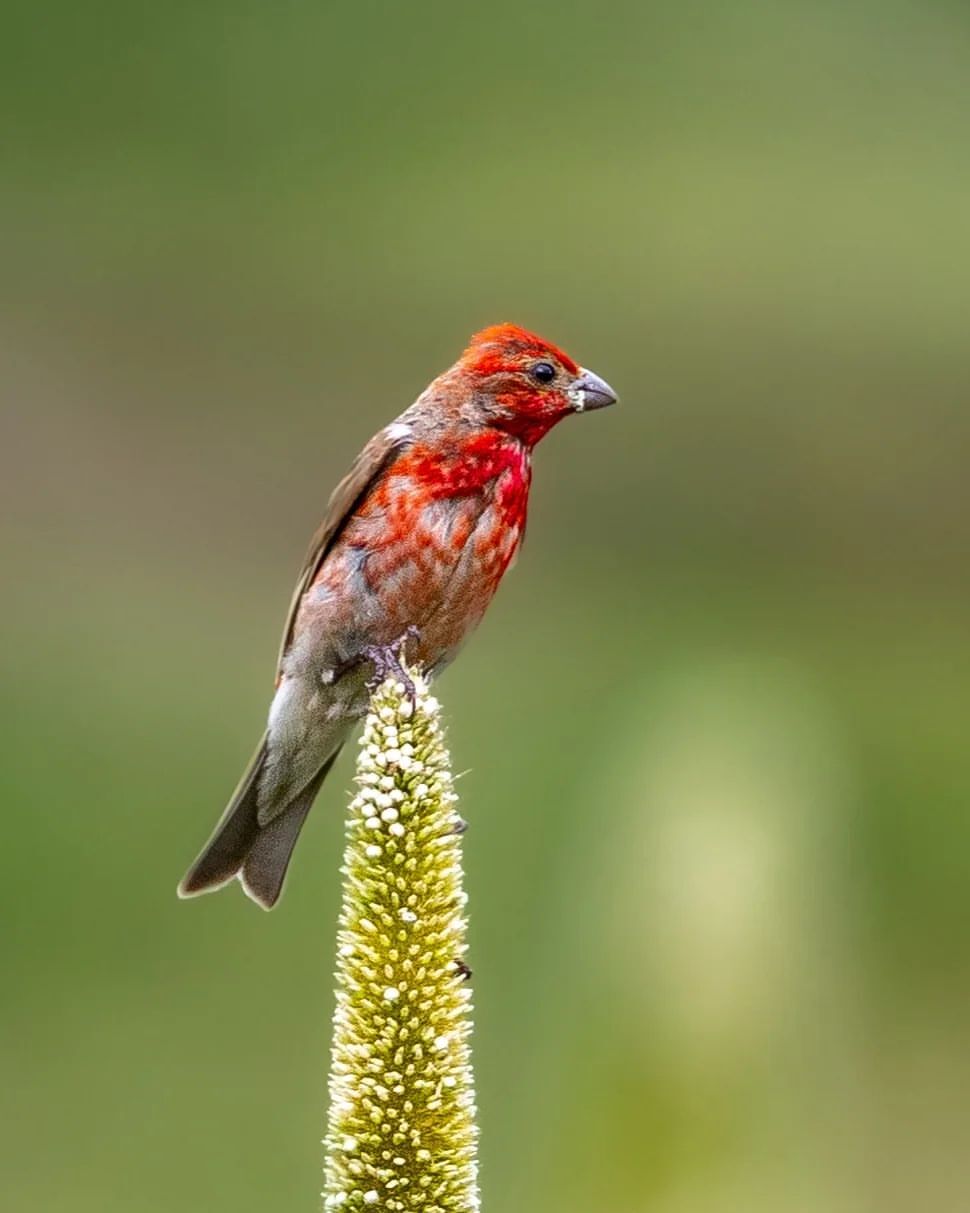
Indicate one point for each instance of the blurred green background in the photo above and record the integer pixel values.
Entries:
(716, 722)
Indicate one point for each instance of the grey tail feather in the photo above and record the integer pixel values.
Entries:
(264, 868)
(240, 847)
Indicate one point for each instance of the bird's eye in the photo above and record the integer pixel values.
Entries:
(543, 372)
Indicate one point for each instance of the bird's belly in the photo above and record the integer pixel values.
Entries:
(458, 554)
(438, 574)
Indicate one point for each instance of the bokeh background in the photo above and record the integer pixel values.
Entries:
(716, 722)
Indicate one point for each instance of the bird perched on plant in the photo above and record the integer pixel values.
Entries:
(414, 543)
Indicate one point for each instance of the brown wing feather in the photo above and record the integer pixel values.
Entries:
(377, 455)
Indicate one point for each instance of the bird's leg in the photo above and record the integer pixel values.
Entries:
(388, 660)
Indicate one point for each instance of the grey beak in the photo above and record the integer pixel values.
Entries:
(590, 392)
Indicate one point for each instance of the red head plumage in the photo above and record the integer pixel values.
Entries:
(507, 347)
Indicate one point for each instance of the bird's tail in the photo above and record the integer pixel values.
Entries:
(240, 846)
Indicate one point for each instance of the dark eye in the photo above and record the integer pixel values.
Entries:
(543, 372)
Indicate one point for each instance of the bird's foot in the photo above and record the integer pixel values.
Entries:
(388, 661)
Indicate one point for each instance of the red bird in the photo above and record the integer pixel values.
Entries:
(415, 541)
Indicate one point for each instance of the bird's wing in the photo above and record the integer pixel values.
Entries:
(377, 455)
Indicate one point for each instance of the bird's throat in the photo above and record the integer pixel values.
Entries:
(489, 461)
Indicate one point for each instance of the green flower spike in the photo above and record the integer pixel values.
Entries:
(401, 1132)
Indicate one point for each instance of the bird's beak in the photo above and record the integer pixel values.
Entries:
(588, 391)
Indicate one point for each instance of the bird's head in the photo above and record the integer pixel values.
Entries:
(524, 385)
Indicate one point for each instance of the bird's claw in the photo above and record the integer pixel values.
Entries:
(388, 661)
